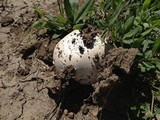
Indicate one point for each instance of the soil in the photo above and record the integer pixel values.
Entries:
(88, 34)
(30, 89)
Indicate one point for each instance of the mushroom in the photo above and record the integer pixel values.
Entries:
(71, 50)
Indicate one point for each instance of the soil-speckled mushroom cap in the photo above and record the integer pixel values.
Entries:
(71, 50)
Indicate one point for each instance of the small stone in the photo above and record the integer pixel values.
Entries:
(42, 32)
(66, 112)
(20, 97)
(71, 115)
(11, 102)
(20, 89)
(95, 112)
(85, 110)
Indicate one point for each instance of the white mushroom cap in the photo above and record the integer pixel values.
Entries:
(72, 51)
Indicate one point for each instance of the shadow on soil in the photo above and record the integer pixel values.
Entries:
(74, 96)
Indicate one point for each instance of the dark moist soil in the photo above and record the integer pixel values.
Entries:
(30, 89)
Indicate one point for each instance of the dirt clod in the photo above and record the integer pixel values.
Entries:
(116, 66)
(71, 115)
(66, 112)
(88, 35)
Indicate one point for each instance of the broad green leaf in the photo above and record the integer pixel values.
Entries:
(117, 2)
(130, 41)
(131, 33)
(146, 25)
(84, 10)
(148, 65)
(146, 4)
(68, 10)
(78, 26)
(128, 24)
(137, 42)
(146, 32)
(148, 54)
(115, 14)
(137, 20)
(143, 69)
(146, 44)
(156, 45)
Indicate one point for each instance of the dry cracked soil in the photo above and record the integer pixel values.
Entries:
(28, 84)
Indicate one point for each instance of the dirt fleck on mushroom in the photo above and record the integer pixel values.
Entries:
(71, 115)
(73, 41)
(70, 57)
(81, 49)
(59, 54)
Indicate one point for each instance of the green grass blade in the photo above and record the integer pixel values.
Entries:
(131, 33)
(128, 24)
(39, 11)
(156, 23)
(106, 5)
(52, 25)
(156, 45)
(49, 17)
(74, 4)
(68, 10)
(61, 19)
(146, 4)
(84, 10)
(38, 24)
(117, 2)
(57, 25)
(115, 14)
(78, 26)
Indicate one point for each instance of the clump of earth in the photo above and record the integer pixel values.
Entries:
(31, 89)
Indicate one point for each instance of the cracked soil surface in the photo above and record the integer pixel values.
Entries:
(27, 76)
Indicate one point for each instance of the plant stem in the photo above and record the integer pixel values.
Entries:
(60, 7)
(152, 104)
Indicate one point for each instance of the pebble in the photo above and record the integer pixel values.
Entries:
(85, 110)
(71, 115)
(66, 112)
(95, 112)
(11, 102)
(20, 89)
